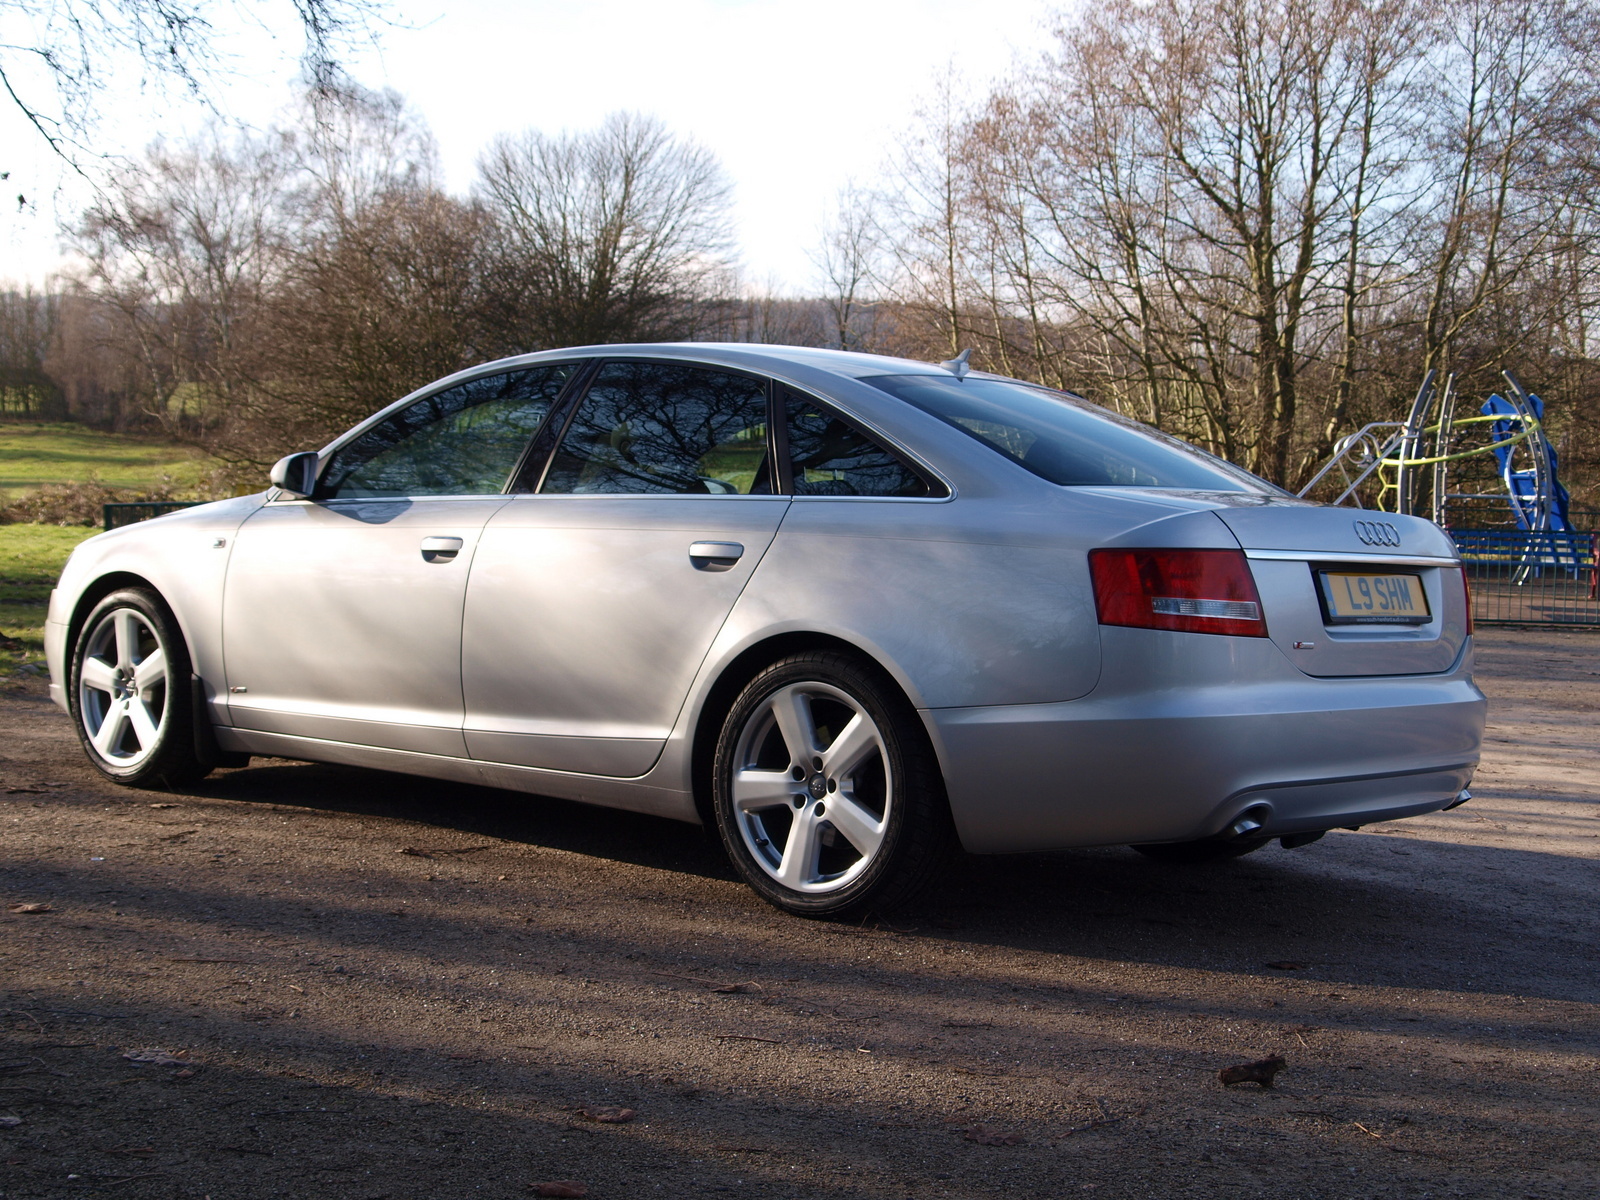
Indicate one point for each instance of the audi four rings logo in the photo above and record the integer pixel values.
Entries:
(1377, 533)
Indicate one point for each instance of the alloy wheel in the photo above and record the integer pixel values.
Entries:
(124, 682)
(811, 788)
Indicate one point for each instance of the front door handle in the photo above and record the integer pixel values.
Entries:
(441, 549)
(714, 556)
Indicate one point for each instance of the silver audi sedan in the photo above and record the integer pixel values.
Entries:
(854, 611)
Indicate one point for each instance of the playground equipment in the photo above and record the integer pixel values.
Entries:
(1391, 456)
(1510, 520)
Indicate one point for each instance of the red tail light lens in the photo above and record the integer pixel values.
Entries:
(1466, 596)
(1193, 591)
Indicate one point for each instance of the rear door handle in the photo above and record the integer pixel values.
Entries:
(714, 556)
(441, 549)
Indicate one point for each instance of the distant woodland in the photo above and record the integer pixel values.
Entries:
(1253, 224)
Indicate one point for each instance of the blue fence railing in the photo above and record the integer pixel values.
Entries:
(1532, 577)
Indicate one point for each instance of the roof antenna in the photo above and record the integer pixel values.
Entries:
(957, 366)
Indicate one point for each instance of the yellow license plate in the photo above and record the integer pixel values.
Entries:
(1364, 598)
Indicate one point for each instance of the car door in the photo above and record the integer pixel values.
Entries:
(342, 613)
(593, 601)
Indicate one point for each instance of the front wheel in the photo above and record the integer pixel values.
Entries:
(827, 795)
(130, 695)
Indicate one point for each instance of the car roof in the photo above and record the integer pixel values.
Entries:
(850, 363)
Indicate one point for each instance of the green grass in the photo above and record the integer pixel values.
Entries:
(32, 455)
(31, 557)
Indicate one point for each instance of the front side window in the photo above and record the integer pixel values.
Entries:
(648, 427)
(463, 441)
(830, 457)
(1065, 440)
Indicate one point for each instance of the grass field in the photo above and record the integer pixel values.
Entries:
(32, 455)
(30, 560)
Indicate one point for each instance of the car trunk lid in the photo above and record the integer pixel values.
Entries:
(1351, 592)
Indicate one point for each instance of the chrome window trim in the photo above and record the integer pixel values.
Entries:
(648, 496)
(1351, 556)
(875, 499)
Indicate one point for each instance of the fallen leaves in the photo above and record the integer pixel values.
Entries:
(724, 989)
(571, 1189)
(609, 1116)
(32, 908)
(1262, 1071)
(156, 1058)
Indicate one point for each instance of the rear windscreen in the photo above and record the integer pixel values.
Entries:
(1066, 440)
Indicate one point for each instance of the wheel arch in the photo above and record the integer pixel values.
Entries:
(97, 591)
(739, 671)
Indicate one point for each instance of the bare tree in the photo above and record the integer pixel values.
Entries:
(187, 247)
(848, 262)
(927, 211)
(57, 55)
(1513, 116)
(616, 234)
(29, 325)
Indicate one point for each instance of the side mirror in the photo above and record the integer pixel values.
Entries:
(296, 474)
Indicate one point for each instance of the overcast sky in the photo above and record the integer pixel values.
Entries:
(794, 96)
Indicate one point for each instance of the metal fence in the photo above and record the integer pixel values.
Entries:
(1523, 578)
(131, 513)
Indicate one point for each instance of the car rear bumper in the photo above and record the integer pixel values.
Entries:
(1183, 736)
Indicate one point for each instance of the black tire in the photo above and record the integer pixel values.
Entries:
(1191, 854)
(894, 832)
(137, 731)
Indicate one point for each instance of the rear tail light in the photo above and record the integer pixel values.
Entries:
(1466, 596)
(1193, 591)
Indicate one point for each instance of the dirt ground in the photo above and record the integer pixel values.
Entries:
(380, 987)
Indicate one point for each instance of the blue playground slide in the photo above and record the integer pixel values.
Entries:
(1522, 487)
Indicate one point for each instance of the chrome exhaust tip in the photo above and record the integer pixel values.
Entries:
(1248, 822)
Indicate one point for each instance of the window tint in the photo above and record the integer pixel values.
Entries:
(828, 457)
(463, 441)
(661, 427)
(1065, 440)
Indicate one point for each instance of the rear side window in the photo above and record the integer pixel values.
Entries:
(649, 427)
(830, 457)
(1065, 440)
(463, 441)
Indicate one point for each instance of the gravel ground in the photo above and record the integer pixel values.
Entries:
(369, 986)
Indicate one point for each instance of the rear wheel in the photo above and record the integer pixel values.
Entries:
(827, 795)
(130, 695)
(1206, 851)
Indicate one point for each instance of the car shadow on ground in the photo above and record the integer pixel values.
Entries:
(1523, 932)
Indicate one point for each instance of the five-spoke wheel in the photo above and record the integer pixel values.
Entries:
(130, 692)
(826, 793)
